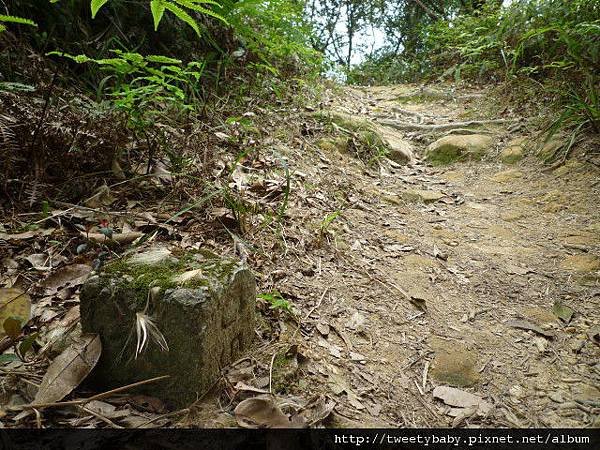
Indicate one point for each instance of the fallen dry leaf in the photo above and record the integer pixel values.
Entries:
(563, 312)
(356, 321)
(462, 399)
(317, 410)
(323, 328)
(594, 334)
(240, 386)
(72, 275)
(14, 303)
(39, 261)
(69, 369)
(25, 235)
(262, 412)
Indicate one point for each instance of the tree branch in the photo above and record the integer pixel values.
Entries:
(427, 9)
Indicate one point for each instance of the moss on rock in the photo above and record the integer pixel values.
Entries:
(201, 303)
(454, 148)
(362, 137)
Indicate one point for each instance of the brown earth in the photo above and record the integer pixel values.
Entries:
(402, 277)
(494, 247)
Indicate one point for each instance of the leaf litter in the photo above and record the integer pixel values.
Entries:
(380, 347)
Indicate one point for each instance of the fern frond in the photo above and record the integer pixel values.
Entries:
(182, 15)
(34, 190)
(8, 144)
(190, 4)
(158, 9)
(19, 20)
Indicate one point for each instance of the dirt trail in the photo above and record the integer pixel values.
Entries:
(489, 253)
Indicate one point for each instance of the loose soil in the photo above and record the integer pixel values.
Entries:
(496, 246)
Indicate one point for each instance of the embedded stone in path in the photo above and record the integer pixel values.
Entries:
(203, 305)
(454, 364)
(581, 263)
(458, 147)
(422, 196)
(507, 175)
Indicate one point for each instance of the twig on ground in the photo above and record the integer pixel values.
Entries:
(164, 416)
(38, 418)
(318, 304)
(83, 401)
(97, 415)
(271, 372)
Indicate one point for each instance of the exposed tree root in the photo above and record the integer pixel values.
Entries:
(405, 126)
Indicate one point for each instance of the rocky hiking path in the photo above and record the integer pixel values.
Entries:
(447, 295)
(413, 264)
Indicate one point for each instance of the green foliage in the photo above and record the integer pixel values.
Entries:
(276, 32)
(556, 43)
(268, 37)
(13, 19)
(95, 5)
(531, 37)
(177, 7)
(149, 92)
(142, 86)
(327, 221)
(276, 301)
(581, 112)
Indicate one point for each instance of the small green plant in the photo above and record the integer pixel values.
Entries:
(581, 112)
(326, 224)
(277, 302)
(136, 82)
(146, 90)
(328, 220)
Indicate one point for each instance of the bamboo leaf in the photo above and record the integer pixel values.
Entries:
(96, 5)
(19, 20)
(158, 9)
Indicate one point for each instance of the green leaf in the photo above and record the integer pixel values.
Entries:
(182, 15)
(14, 86)
(19, 20)
(12, 327)
(80, 59)
(96, 5)
(158, 9)
(27, 343)
(162, 59)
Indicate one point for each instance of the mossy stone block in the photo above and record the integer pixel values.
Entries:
(203, 305)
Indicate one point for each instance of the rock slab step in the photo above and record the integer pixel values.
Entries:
(202, 304)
